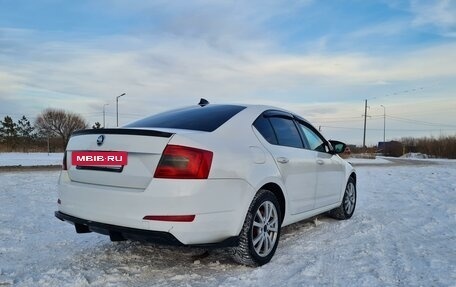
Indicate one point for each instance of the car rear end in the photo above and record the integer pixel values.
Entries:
(166, 189)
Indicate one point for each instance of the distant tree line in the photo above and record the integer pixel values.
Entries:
(51, 130)
(441, 147)
(13, 134)
(53, 127)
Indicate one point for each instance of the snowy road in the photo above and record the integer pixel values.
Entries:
(403, 233)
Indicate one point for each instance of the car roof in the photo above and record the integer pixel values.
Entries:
(262, 108)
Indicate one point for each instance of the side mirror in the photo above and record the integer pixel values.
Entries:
(339, 147)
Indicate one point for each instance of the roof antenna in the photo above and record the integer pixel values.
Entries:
(203, 102)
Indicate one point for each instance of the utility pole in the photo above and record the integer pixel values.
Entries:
(104, 115)
(117, 108)
(384, 122)
(365, 118)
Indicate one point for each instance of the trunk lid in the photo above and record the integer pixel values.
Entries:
(144, 148)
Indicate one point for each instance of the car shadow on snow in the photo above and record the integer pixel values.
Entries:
(103, 261)
(146, 252)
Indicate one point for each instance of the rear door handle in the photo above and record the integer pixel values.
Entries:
(320, 161)
(283, 159)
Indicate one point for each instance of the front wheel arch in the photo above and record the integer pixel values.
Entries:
(349, 200)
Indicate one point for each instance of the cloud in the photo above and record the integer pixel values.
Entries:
(387, 28)
(153, 71)
(220, 23)
(429, 16)
(9, 83)
(218, 50)
(440, 14)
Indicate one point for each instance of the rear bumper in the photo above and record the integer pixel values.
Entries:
(119, 233)
(219, 207)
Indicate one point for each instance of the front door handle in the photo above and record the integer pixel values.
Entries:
(282, 159)
(320, 161)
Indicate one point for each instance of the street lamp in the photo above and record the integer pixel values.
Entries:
(384, 121)
(117, 107)
(104, 115)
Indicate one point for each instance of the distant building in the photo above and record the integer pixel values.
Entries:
(391, 148)
(351, 146)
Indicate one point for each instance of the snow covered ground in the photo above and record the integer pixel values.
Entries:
(403, 233)
(368, 161)
(30, 159)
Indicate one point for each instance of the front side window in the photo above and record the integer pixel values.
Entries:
(314, 141)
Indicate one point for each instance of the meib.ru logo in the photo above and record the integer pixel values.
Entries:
(100, 158)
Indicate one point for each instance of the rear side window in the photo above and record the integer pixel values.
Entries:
(264, 127)
(286, 132)
(207, 118)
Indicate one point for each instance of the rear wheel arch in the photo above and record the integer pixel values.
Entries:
(277, 191)
(260, 233)
(353, 175)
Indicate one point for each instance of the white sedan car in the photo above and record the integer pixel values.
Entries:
(206, 175)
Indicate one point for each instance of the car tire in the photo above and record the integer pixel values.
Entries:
(347, 207)
(260, 234)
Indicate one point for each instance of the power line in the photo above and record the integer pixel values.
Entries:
(331, 118)
(427, 112)
(413, 90)
(417, 122)
(345, 121)
(381, 129)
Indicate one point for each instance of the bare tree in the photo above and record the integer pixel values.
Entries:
(57, 122)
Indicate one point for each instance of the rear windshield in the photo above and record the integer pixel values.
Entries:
(207, 118)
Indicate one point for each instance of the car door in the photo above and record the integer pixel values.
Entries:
(296, 164)
(329, 167)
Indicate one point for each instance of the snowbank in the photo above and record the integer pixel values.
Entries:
(30, 159)
(415, 155)
(367, 161)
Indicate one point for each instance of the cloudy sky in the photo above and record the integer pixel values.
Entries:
(321, 59)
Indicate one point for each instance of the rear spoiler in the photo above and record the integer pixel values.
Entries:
(136, 132)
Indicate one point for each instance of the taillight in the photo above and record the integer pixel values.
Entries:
(175, 218)
(182, 162)
(64, 163)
